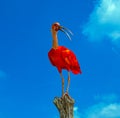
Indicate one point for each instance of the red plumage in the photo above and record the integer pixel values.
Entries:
(63, 58)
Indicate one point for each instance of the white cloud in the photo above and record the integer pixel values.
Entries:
(104, 22)
(103, 111)
(76, 113)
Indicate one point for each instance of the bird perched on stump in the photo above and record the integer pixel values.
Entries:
(61, 57)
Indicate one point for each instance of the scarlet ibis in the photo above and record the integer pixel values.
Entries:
(62, 57)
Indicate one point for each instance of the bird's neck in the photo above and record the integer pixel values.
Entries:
(55, 40)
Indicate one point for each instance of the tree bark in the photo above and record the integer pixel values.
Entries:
(64, 105)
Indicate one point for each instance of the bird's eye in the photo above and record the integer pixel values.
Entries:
(56, 27)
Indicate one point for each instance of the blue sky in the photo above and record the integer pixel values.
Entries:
(29, 83)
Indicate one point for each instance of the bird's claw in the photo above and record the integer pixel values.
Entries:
(66, 93)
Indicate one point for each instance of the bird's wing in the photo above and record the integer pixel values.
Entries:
(70, 60)
(69, 57)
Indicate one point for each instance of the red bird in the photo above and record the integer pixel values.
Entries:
(62, 57)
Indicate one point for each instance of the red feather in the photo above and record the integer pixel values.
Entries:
(64, 58)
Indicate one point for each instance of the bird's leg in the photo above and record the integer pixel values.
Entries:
(68, 82)
(62, 83)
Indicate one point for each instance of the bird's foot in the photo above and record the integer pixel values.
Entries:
(66, 93)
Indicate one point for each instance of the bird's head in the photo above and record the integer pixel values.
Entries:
(56, 27)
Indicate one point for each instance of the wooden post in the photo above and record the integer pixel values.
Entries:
(65, 106)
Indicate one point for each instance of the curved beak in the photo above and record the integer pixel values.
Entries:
(66, 31)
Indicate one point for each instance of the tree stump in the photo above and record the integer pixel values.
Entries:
(64, 105)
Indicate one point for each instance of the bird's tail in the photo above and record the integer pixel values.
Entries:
(76, 70)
